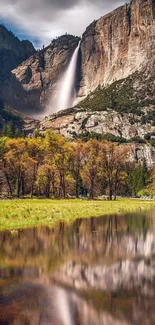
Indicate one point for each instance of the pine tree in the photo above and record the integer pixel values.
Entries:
(10, 129)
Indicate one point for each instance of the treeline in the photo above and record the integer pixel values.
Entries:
(11, 130)
(11, 124)
(55, 167)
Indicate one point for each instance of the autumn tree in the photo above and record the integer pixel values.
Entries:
(3, 165)
(112, 164)
(89, 171)
(16, 162)
(53, 166)
(43, 181)
(77, 160)
(35, 149)
(56, 157)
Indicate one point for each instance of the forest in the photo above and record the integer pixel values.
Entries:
(53, 167)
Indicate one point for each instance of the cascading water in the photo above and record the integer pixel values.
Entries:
(66, 94)
(63, 307)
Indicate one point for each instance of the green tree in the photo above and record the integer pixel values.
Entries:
(138, 178)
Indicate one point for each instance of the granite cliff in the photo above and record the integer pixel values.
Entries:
(118, 44)
(12, 53)
(32, 83)
(17, 123)
(112, 48)
(118, 51)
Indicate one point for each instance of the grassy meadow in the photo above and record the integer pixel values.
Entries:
(15, 214)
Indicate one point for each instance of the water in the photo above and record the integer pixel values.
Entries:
(66, 94)
(98, 271)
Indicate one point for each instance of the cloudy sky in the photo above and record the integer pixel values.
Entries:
(42, 20)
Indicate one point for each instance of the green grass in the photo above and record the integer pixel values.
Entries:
(15, 214)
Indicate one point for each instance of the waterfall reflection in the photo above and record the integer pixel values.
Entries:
(93, 271)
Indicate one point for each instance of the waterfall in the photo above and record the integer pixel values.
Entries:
(63, 307)
(66, 93)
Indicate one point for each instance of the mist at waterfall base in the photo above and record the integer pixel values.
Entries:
(65, 94)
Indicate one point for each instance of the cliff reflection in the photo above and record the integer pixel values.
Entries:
(94, 271)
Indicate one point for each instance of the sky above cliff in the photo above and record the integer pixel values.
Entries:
(42, 20)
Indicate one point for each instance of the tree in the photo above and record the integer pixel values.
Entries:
(112, 163)
(35, 149)
(56, 156)
(77, 159)
(54, 166)
(138, 177)
(89, 171)
(16, 162)
(3, 166)
(43, 181)
(10, 129)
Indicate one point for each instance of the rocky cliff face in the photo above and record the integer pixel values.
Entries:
(113, 125)
(117, 50)
(12, 52)
(33, 83)
(73, 122)
(21, 123)
(118, 44)
(112, 48)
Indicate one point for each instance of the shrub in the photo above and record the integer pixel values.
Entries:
(138, 140)
(152, 142)
(143, 192)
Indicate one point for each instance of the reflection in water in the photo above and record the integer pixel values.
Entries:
(95, 271)
(64, 307)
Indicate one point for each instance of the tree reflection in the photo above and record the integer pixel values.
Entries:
(104, 265)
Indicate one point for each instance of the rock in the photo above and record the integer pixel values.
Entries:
(12, 52)
(118, 44)
(77, 121)
(112, 48)
(30, 125)
(33, 83)
(23, 124)
(116, 50)
(74, 122)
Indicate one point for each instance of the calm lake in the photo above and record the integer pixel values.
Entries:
(95, 271)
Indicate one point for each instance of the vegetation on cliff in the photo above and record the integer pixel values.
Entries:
(130, 95)
(11, 123)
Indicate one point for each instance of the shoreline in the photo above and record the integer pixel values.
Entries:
(28, 213)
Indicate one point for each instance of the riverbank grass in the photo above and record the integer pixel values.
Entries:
(15, 214)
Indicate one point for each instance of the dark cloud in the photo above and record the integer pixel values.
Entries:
(46, 19)
(58, 4)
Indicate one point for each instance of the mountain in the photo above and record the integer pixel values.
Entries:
(32, 83)
(12, 123)
(12, 53)
(117, 88)
(112, 48)
(118, 44)
(115, 79)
